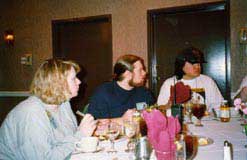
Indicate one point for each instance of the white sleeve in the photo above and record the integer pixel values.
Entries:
(214, 97)
(164, 94)
(243, 83)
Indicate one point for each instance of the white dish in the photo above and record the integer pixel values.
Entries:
(97, 150)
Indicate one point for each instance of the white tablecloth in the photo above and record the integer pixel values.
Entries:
(216, 130)
(219, 132)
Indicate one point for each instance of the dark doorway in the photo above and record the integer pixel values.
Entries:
(203, 26)
(88, 41)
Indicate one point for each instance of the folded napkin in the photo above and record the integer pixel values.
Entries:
(183, 92)
(161, 133)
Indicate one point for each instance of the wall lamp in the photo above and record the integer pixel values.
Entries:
(243, 40)
(9, 37)
(243, 35)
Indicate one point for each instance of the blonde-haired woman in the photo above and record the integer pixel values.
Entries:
(43, 126)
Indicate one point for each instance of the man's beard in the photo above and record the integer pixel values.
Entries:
(133, 84)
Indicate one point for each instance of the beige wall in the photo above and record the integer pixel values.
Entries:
(238, 18)
(31, 22)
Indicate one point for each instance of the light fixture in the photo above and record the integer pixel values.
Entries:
(243, 41)
(243, 36)
(9, 37)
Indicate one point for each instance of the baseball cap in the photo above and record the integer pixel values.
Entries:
(191, 55)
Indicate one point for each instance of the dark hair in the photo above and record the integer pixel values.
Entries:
(191, 55)
(179, 64)
(124, 63)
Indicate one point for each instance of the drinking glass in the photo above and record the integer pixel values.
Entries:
(198, 110)
(112, 133)
(245, 131)
(166, 155)
(188, 111)
(191, 143)
(130, 128)
(243, 118)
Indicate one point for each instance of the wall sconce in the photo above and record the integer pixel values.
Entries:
(9, 37)
(243, 36)
(243, 41)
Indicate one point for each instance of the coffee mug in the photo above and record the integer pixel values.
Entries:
(87, 144)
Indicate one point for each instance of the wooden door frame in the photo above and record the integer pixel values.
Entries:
(152, 62)
(56, 46)
(81, 19)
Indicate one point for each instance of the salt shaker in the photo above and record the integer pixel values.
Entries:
(181, 148)
(227, 151)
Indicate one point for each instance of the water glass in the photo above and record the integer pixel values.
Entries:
(188, 111)
(130, 130)
(198, 110)
(112, 133)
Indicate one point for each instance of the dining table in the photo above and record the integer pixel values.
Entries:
(219, 132)
(213, 129)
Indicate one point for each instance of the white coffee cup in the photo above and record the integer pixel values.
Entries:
(87, 144)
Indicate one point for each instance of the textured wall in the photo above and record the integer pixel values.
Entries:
(239, 59)
(31, 22)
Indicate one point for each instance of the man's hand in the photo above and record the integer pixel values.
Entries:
(128, 114)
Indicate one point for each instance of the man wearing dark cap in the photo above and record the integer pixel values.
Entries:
(188, 70)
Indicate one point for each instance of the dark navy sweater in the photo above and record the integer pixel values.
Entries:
(111, 101)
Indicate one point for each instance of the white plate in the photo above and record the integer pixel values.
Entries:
(97, 150)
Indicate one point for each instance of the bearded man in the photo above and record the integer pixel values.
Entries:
(118, 99)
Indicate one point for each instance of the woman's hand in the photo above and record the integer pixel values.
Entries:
(87, 125)
(128, 115)
(102, 127)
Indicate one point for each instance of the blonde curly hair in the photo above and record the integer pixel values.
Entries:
(50, 81)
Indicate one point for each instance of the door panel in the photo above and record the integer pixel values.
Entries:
(88, 41)
(176, 29)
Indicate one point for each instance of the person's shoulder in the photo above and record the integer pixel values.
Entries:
(170, 80)
(30, 106)
(103, 88)
(32, 103)
(244, 79)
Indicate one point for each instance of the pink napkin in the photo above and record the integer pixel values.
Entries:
(161, 133)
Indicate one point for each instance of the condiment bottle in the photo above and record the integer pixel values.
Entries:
(224, 111)
(227, 151)
(181, 148)
(141, 124)
(137, 118)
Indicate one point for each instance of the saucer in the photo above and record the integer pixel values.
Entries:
(97, 150)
